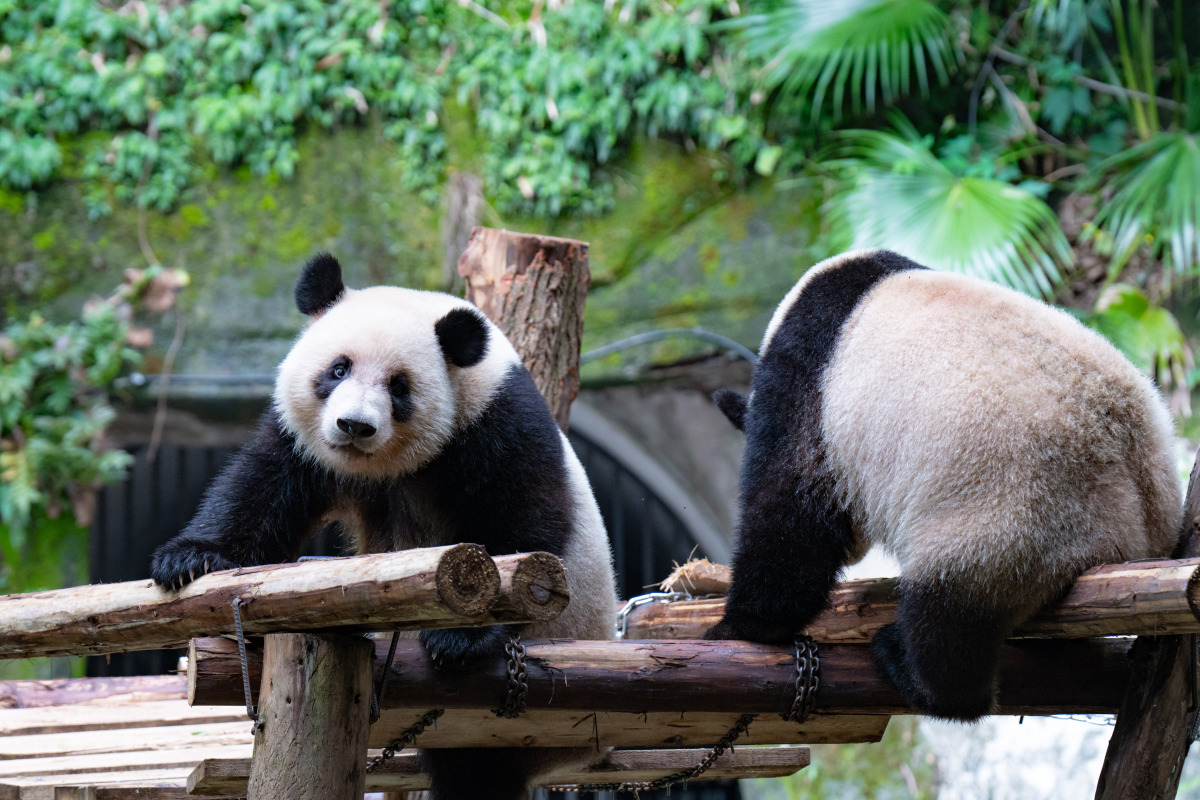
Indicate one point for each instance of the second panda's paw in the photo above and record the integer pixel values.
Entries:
(455, 647)
(177, 564)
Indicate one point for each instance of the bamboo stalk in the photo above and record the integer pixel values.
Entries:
(1137, 597)
(440, 587)
(1037, 677)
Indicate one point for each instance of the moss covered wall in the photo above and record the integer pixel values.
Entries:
(681, 248)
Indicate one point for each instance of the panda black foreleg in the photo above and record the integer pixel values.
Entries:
(500, 773)
(942, 652)
(790, 549)
(451, 647)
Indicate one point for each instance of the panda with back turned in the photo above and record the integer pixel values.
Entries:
(407, 417)
(992, 443)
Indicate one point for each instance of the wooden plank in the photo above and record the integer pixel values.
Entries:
(402, 773)
(116, 762)
(1130, 599)
(1037, 677)
(422, 588)
(95, 717)
(173, 737)
(540, 728)
(46, 787)
(68, 691)
(313, 722)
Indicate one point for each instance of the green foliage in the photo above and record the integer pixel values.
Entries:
(864, 48)
(555, 96)
(948, 212)
(1147, 334)
(1155, 202)
(53, 411)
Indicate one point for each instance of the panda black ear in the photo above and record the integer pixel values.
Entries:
(463, 335)
(733, 405)
(320, 284)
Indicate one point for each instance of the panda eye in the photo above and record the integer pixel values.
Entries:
(339, 371)
(340, 368)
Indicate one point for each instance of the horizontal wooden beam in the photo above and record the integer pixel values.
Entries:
(1037, 677)
(440, 587)
(1134, 598)
(402, 773)
(68, 691)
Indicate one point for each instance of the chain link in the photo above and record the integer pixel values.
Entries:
(251, 711)
(406, 739)
(518, 680)
(808, 680)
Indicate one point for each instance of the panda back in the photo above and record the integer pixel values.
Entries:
(964, 421)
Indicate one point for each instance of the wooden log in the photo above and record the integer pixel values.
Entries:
(71, 691)
(312, 733)
(438, 587)
(228, 777)
(533, 586)
(1154, 726)
(1138, 597)
(1037, 677)
(88, 786)
(97, 717)
(533, 287)
(129, 740)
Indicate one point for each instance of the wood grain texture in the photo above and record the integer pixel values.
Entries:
(71, 691)
(534, 288)
(312, 735)
(1037, 677)
(402, 772)
(437, 587)
(1138, 597)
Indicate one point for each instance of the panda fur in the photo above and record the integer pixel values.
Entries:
(408, 418)
(993, 444)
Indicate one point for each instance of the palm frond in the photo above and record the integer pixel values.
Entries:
(864, 48)
(902, 198)
(1155, 202)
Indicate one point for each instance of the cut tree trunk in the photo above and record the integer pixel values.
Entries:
(1036, 677)
(437, 587)
(1137, 597)
(311, 740)
(533, 287)
(1154, 726)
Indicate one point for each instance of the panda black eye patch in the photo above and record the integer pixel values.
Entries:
(328, 380)
(402, 401)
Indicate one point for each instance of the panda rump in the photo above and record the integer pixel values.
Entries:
(993, 444)
(406, 418)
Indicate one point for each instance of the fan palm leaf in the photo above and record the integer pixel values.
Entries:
(1155, 202)
(864, 48)
(903, 198)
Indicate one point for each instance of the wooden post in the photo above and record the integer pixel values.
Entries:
(311, 743)
(534, 288)
(1154, 725)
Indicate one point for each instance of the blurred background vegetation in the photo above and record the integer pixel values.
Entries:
(710, 150)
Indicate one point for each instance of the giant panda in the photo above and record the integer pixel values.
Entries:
(992, 443)
(407, 417)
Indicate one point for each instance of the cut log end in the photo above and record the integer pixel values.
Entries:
(467, 580)
(539, 586)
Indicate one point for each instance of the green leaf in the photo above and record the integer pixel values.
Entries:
(903, 198)
(865, 48)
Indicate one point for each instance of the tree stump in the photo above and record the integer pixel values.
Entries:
(533, 287)
(1154, 725)
(311, 743)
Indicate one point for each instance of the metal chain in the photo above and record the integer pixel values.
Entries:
(518, 680)
(726, 743)
(808, 680)
(377, 695)
(406, 739)
(251, 711)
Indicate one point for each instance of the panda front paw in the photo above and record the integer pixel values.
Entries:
(176, 564)
(456, 647)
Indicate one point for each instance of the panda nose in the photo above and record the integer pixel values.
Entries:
(356, 428)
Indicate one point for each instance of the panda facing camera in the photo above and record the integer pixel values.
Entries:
(996, 446)
(408, 418)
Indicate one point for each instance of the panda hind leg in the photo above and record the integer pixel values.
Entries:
(500, 773)
(942, 654)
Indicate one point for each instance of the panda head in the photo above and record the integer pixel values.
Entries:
(381, 378)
